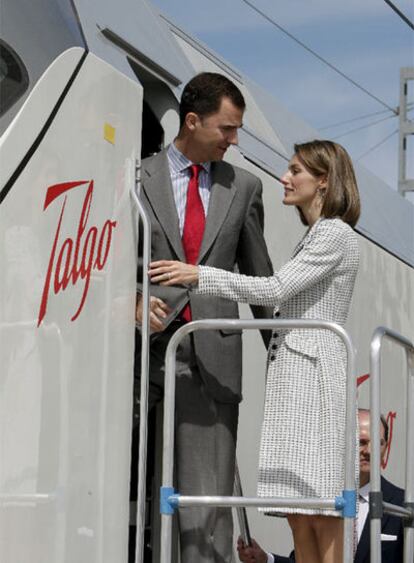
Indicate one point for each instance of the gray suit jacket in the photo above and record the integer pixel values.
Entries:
(233, 235)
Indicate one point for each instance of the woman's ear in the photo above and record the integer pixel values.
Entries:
(323, 182)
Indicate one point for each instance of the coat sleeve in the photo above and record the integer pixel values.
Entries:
(252, 255)
(281, 559)
(316, 260)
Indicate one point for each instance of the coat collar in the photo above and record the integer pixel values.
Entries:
(222, 193)
(156, 183)
(308, 234)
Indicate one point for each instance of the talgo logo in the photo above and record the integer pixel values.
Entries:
(74, 259)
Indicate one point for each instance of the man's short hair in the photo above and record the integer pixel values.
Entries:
(203, 95)
(386, 427)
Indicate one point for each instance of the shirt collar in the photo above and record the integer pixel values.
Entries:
(180, 162)
(364, 491)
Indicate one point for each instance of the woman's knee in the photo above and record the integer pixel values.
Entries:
(299, 523)
(326, 524)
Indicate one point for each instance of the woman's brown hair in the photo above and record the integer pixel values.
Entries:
(329, 159)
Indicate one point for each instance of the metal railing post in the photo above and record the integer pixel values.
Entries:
(241, 512)
(145, 334)
(377, 506)
(170, 501)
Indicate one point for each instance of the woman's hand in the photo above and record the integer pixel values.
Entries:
(172, 272)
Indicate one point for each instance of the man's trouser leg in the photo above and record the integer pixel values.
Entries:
(205, 446)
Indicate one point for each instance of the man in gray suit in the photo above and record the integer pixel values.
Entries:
(210, 214)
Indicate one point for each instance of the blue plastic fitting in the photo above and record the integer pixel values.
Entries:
(168, 500)
(349, 503)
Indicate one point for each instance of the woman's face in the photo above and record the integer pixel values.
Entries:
(301, 188)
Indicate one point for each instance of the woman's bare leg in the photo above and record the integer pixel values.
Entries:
(329, 533)
(304, 538)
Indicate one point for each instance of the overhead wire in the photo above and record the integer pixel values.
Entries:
(363, 127)
(319, 57)
(410, 107)
(400, 13)
(363, 155)
(394, 110)
(353, 119)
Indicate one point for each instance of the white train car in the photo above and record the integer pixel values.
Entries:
(86, 89)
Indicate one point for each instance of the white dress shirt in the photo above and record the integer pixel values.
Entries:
(180, 176)
(363, 507)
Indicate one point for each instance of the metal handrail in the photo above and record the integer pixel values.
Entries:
(145, 334)
(377, 506)
(171, 501)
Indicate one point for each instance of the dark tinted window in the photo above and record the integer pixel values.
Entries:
(14, 79)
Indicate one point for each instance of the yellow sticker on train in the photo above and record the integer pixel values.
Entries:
(109, 133)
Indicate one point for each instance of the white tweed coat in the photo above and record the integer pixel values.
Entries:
(302, 443)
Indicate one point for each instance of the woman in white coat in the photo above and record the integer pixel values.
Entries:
(302, 443)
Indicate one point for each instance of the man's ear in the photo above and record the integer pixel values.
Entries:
(191, 120)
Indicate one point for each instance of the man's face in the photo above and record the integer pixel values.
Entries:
(212, 135)
(365, 446)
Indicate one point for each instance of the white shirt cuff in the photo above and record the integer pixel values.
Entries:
(270, 558)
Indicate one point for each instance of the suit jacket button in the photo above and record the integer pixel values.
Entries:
(274, 346)
(277, 314)
(272, 358)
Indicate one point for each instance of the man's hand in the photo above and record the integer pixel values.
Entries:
(158, 311)
(253, 554)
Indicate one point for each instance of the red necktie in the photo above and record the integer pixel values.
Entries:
(194, 224)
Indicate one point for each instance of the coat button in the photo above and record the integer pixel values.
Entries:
(277, 314)
(274, 346)
(272, 358)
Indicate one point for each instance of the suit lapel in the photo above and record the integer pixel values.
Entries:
(388, 496)
(221, 197)
(362, 552)
(156, 183)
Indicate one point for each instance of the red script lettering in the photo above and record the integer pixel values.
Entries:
(75, 259)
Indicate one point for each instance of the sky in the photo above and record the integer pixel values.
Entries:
(364, 39)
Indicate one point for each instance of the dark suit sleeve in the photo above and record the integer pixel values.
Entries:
(281, 559)
(252, 255)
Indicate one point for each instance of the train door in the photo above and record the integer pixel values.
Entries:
(67, 305)
(160, 123)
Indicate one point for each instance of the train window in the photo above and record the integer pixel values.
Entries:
(14, 78)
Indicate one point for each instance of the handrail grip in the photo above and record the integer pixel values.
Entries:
(241, 511)
(145, 334)
(396, 510)
(169, 395)
(375, 414)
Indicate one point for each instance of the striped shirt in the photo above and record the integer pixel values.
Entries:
(180, 176)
